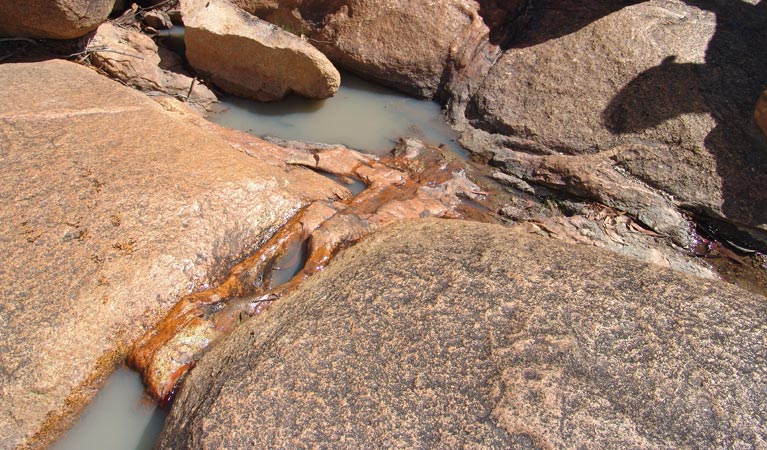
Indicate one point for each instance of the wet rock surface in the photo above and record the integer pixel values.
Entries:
(656, 97)
(448, 334)
(111, 209)
(415, 182)
(248, 57)
(135, 59)
(407, 45)
(57, 19)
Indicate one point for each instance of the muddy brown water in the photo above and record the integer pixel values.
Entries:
(362, 116)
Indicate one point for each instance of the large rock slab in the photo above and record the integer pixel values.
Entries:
(246, 56)
(446, 334)
(407, 45)
(52, 19)
(110, 210)
(662, 92)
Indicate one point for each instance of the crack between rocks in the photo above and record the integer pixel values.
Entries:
(398, 188)
(69, 113)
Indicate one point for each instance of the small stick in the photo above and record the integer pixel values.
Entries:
(265, 298)
(100, 50)
(191, 86)
(148, 8)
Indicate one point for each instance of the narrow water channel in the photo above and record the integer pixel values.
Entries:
(362, 116)
(119, 418)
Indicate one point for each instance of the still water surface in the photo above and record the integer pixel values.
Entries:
(362, 116)
(119, 418)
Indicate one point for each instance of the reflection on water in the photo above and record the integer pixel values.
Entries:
(119, 418)
(362, 116)
(354, 186)
(290, 264)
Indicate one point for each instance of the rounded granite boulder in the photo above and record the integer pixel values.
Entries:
(447, 334)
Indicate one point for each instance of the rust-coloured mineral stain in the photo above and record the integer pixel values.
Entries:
(415, 183)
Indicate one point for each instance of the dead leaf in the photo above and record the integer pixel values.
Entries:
(639, 228)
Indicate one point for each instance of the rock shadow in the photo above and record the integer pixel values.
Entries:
(499, 16)
(727, 86)
(539, 21)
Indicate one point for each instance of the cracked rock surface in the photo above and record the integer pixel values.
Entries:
(447, 334)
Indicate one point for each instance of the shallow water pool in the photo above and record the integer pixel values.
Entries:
(362, 116)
